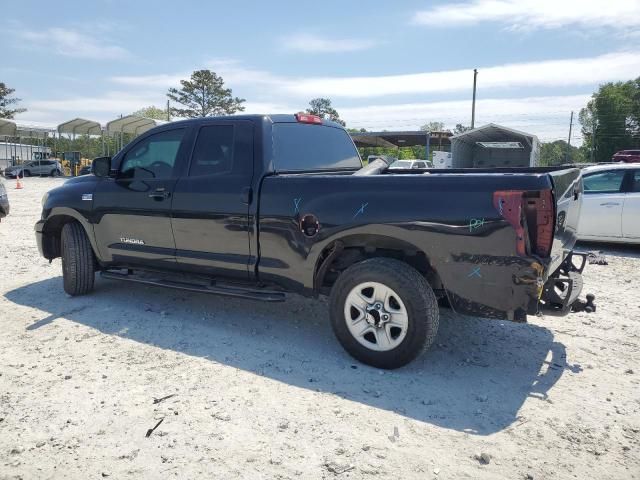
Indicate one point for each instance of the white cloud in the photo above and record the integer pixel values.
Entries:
(549, 73)
(310, 43)
(532, 14)
(546, 116)
(150, 81)
(71, 44)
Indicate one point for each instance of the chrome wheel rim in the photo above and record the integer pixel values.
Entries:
(376, 316)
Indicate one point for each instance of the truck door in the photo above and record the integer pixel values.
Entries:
(210, 213)
(631, 210)
(601, 213)
(133, 224)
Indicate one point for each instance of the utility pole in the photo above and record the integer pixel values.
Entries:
(593, 139)
(473, 104)
(168, 112)
(569, 139)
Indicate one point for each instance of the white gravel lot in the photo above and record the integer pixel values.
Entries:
(265, 391)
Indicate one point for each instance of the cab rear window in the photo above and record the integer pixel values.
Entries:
(304, 147)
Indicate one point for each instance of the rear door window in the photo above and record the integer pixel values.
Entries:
(213, 152)
(300, 146)
(609, 181)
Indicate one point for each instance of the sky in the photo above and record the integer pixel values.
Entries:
(385, 65)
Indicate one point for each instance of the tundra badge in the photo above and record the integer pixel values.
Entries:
(132, 241)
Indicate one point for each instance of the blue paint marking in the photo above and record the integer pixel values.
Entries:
(501, 204)
(475, 223)
(475, 273)
(360, 210)
(296, 202)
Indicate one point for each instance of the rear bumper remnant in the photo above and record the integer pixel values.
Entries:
(563, 287)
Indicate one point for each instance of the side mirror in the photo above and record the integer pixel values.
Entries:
(101, 166)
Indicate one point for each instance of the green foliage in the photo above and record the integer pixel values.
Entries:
(402, 153)
(152, 111)
(611, 120)
(460, 129)
(322, 108)
(432, 127)
(204, 95)
(555, 153)
(6, 102)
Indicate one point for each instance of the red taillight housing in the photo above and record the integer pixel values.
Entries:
(509, 205)
(308, 118)
(531, 214)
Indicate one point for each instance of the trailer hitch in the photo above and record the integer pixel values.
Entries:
(584, 305)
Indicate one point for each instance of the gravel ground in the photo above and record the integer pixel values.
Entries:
(251, 390)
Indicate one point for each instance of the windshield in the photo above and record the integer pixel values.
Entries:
(303, 147)
(401, 164)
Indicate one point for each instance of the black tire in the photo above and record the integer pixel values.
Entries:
(416, 294)
(55, 173)
(26, 173)
(78, 271)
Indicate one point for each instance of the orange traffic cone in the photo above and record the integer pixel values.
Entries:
(18, 184)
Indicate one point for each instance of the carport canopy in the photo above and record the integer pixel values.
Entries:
(132, 124)
(492, 146)
(493, 135)
(390, 139)
(8, 128)
(80, 126)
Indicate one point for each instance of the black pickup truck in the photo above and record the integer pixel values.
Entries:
(257, 206)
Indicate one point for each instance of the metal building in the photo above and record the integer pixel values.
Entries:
(492, 146)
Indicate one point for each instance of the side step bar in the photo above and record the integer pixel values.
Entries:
(227, 290)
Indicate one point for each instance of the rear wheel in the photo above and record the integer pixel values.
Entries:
(78, 272)
(383, 312)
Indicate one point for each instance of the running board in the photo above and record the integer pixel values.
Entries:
(227, 290)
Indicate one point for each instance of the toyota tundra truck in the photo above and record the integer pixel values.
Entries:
(259, 206)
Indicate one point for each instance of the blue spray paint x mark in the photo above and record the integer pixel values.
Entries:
(475, 273)
(296, 202)
(475, 223)
(361, 209)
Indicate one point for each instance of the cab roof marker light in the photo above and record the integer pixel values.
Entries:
(302, 117)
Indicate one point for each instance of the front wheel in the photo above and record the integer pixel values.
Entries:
(383, 312)
(26, 173)
(78, 272)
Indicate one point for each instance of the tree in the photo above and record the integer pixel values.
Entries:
(460, 129)
(322, 108)
(152, 111)
(432, 127)
(611, 120)
(555, 153)
(6, 102)
(204, 95)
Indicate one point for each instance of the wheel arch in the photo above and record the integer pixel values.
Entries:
(341, 253)
(52, 231)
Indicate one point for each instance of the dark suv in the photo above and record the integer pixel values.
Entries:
(34, 168)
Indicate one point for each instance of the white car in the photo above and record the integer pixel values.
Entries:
(411, 164)
(611, 203)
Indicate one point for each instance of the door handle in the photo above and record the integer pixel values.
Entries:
(160, 194)
(609, 204)
(246, 195)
